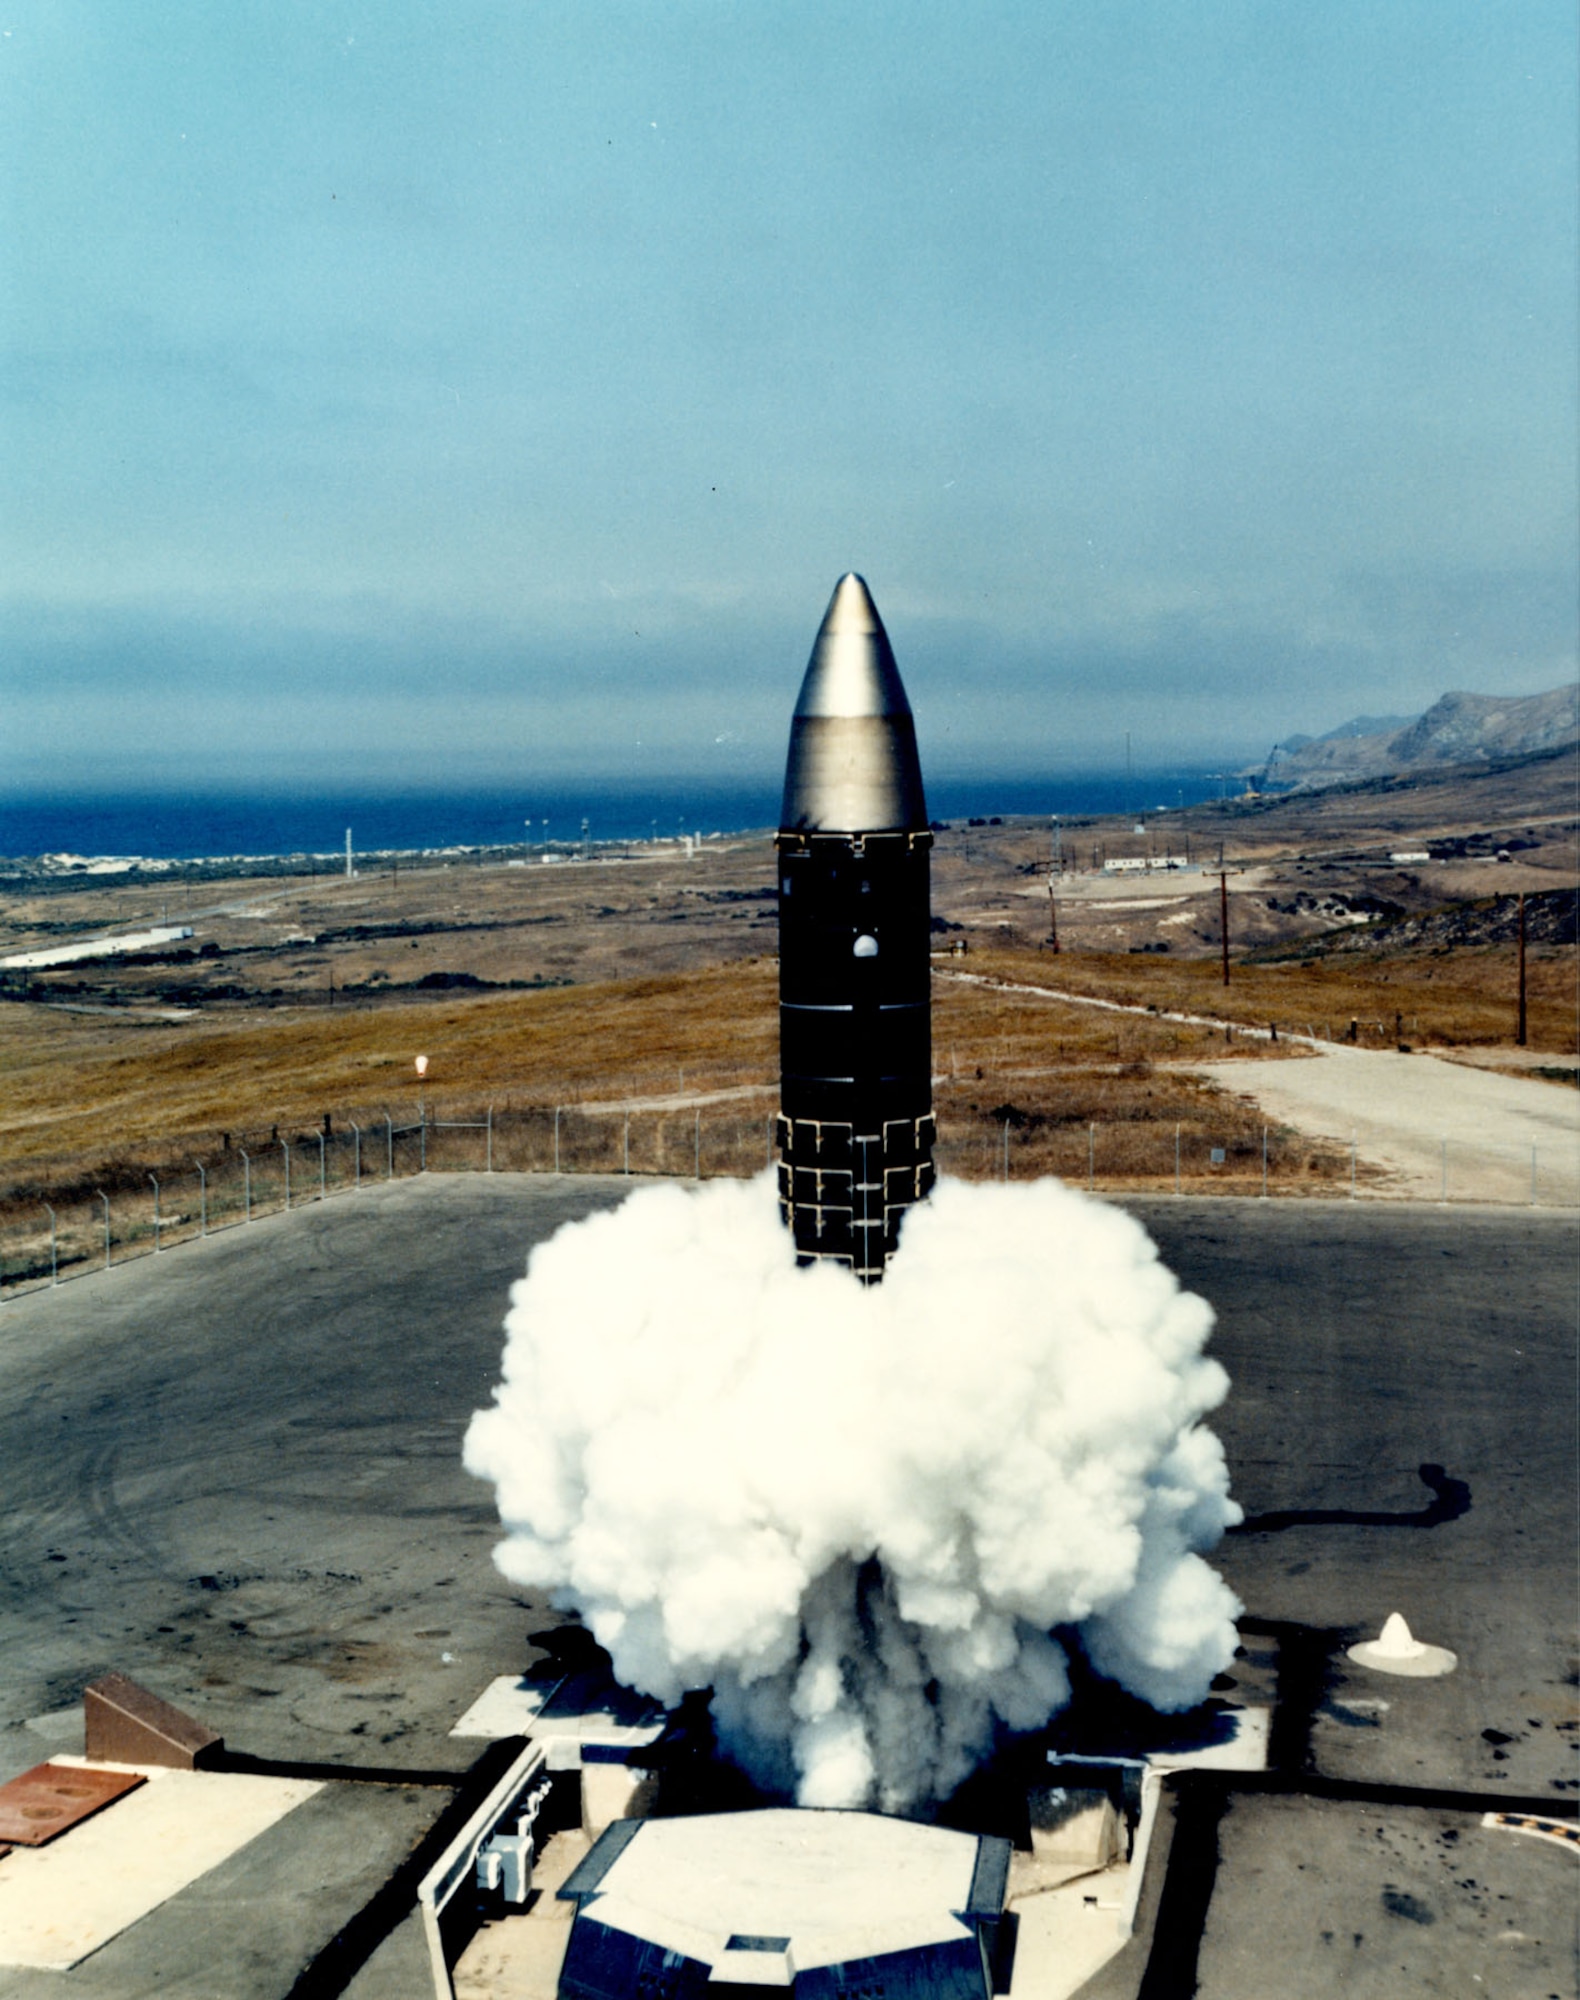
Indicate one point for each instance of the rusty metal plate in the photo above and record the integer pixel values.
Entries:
(51, 1798)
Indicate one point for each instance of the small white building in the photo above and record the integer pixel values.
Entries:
(104, 947)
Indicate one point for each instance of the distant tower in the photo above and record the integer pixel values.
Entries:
(855, 1125)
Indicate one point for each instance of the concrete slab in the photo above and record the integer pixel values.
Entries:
(61, 1902)
(583, 1719)
(508, 1706)
(518, 1957)
(1245, 1751)
(1067, 1934)
(62, 1728)
(1075, 1921)
(250, 1927)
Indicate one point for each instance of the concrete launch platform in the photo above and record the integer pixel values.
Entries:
(233, 1473)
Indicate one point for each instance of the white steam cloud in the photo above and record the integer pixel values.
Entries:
(859, 1515)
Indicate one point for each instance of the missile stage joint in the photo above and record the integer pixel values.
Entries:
(856, 1134)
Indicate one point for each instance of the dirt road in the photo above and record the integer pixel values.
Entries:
(1432, 1125)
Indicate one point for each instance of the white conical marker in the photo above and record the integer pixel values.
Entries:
(1395, 1639)
(1395, 1650)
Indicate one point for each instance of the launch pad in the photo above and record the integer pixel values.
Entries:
(233, 1473)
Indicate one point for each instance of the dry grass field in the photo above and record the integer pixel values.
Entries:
(81, 1094)
(657, 1074)
(634, 993)
(667, 1075)
(1429, 999)
(177, 1087)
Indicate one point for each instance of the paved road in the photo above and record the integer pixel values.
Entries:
(232, 1472)
(1401, 1109)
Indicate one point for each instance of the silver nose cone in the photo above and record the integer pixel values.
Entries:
(853, 766)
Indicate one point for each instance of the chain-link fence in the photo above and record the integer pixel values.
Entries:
(132, 1210)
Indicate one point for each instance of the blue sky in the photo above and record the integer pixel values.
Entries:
(453, 394)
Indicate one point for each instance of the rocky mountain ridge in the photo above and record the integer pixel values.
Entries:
(1458, 729)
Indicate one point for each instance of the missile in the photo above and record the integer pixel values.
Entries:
(855, 1130)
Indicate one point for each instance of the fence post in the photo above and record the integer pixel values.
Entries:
(1444, 1195)
(556, 1138)
(626, 1157)
(54, 1262)
(285, 1147)
(357, 1154)
(323, 1186)
(106, 1200)
(422, 1162)
(156, 1214)
(697, 1152)
(1091, 1158)
(1177, 1188)
(1264, 1163)
(488, 1167)
(246, 1180)
(389, 1143)
(202, 1198)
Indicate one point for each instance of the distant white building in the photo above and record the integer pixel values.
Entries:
(110, 947)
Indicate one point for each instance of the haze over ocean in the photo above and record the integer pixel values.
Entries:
(413, 396)
(177, 827)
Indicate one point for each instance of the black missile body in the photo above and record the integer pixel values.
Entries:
(855, 1127)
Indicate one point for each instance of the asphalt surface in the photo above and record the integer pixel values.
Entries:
(233, 1473)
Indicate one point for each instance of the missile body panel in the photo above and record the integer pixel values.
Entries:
(855, 1128)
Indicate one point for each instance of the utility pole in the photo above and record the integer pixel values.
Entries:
(1520, 1035)
(1223, 922)
(1055, 870)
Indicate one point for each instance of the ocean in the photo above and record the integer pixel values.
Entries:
(182, 827)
